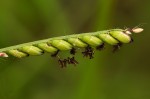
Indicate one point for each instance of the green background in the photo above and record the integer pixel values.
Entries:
(121, 75)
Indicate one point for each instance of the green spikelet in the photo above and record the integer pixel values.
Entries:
(16, 53)
(47, 48)
(121, 36)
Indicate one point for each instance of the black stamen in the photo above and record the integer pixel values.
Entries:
(73, 51)
(100, 47)
(72, 61)
(88, 52)
(117, 47)
(131, 40)
(65, 62)
(55, 54)
(61, 63)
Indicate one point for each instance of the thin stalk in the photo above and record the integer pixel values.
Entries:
(55, 38)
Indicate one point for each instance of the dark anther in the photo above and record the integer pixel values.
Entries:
(100, 47)
(117, 47)
(42, 52)
(131, 40)
(62, 62)
(55, 54)
(73, 51)
(72, 61)
(27, 55)
(88, 52)
(65, 62)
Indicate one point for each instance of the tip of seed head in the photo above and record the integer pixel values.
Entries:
(3, 54)
(137, 30)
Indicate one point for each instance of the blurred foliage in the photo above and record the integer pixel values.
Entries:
(123, 75)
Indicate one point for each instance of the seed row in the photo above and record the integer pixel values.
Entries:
(112, 37)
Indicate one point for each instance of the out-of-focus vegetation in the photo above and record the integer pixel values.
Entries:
(123, 75)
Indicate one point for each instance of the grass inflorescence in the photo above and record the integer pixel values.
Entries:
(88, 41)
